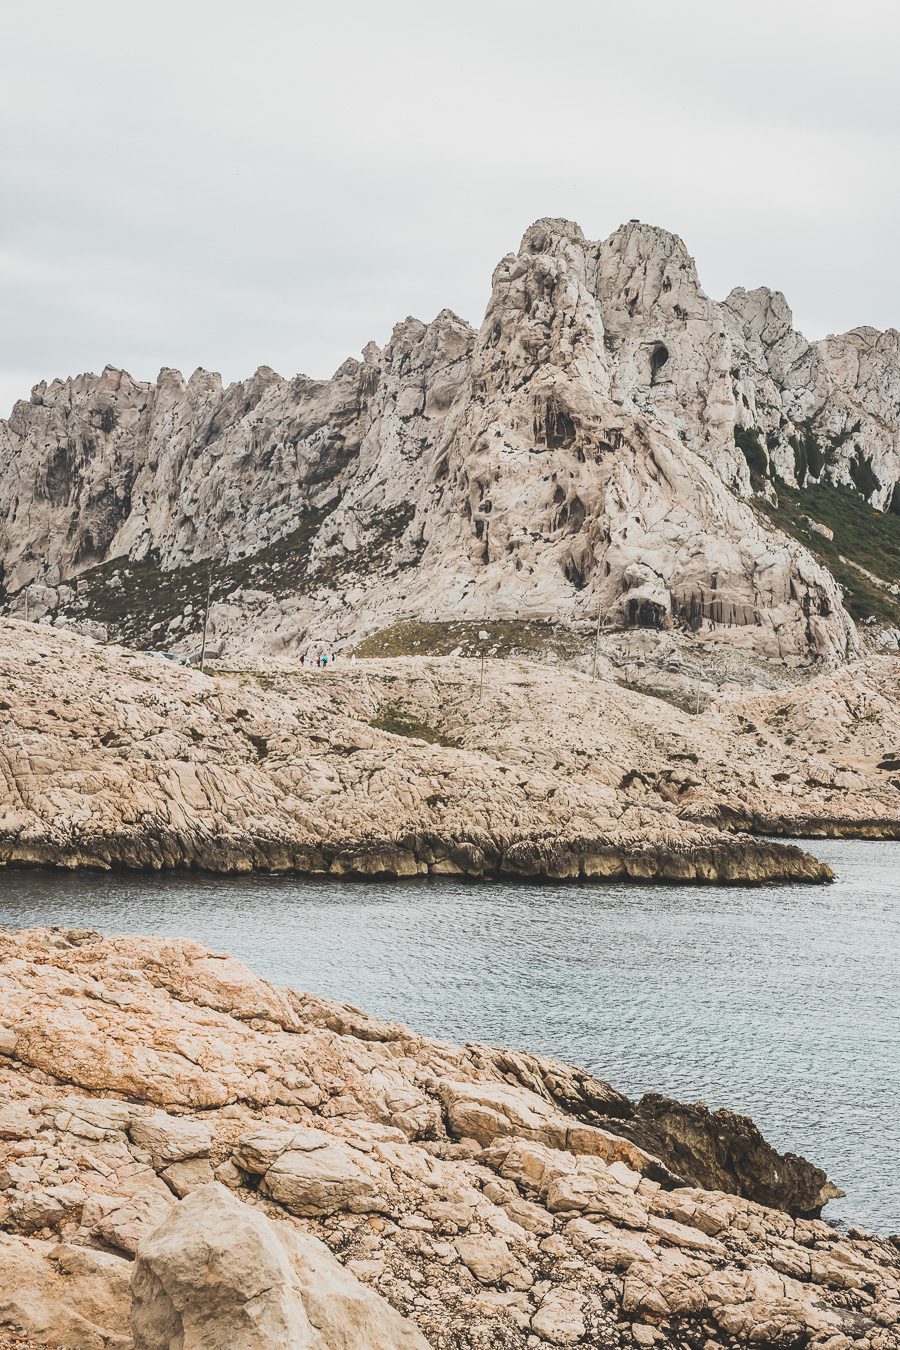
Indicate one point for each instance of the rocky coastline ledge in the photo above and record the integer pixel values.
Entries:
(193, 1157)
(401, 767)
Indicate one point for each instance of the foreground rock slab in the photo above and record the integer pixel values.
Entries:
(191, 1156)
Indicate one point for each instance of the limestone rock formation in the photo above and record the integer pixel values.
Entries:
(63, 1293)
(590, 450)
(506, 1215)
(110, 757)
(399, 768)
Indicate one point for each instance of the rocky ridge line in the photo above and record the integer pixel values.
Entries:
(590, 449)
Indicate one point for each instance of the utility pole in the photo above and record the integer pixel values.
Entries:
(205, 620)
(483, 638)
(596, 647)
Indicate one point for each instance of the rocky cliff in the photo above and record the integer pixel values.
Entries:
(593, 450)
(192, 1157)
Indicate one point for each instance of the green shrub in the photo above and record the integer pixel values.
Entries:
(399, 724)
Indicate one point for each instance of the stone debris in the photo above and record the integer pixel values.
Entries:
(345, 1182)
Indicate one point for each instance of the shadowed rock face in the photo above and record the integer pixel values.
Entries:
(193, 1158)
(715, 1150)
(577, 454)
(719, 1150)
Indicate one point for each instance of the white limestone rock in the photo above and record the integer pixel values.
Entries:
(584, 436)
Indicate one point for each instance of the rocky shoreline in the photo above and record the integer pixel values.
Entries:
(344, 1182)
(743, 861)
(815, 827)
(395, 768)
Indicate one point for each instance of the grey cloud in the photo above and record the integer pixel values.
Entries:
(208, 185)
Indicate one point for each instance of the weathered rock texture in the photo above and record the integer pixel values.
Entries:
(578, 454)
(398, 767)
(178, 1139)
(109, 757)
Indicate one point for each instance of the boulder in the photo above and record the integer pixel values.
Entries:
(170, 1139)
(487, 1256)
(482, 1111)
(264, 1286)
(560, 1317)
(121, 1221)
(308, 1171)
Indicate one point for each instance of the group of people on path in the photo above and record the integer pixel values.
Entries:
(322, 659)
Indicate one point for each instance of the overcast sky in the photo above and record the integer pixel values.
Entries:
(277, 182)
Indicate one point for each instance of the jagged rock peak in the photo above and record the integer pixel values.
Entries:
(591, 449)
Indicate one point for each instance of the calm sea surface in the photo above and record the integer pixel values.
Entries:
(783, 1001)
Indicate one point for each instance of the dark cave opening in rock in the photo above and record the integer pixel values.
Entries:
(658, 358)
(556, 428)
(645, 614)
(575, 571)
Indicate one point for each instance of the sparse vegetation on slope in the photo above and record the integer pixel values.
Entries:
(397, 723)
(506, 637)
(139, 600)
(865, 541)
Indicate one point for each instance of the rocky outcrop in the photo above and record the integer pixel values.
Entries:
(111, 758)
(721, 1151)
(590, 450)
(63, 1294)
(191, 1156)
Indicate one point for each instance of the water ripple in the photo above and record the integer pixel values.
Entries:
(780, 1001)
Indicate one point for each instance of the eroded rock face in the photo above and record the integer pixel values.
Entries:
(719, 1150)
(108, 757)
(64, 1294)
(504, 1217)
(114, 758)
(576, 455)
